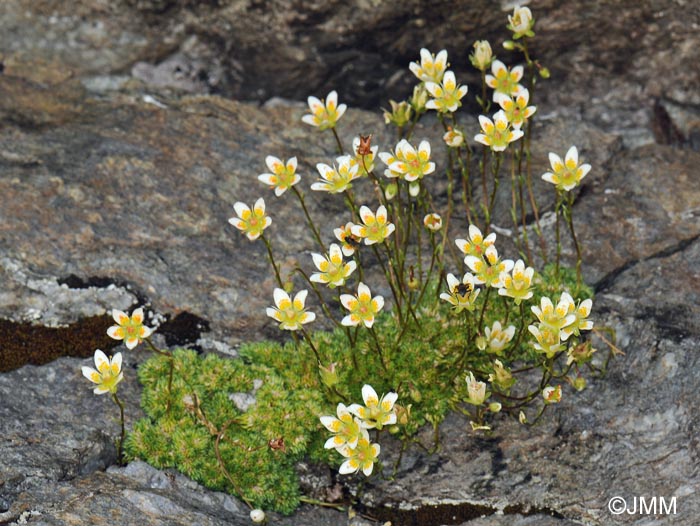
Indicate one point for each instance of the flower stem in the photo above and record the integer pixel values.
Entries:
(483, 309)
(495, 168)
(557, 212)
(519, 338)
(314, 230)
(122, 436)
(569, 214)
(315, 502)
(171, 359)
(379, 348)
(311, 344)
(272, 261)
(337, 141)
(324, 305)
(484, 189)
(217, 452)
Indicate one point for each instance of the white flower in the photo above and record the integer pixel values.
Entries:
(477, 243)
(363, 307)
(489, 268)
(362, 457)
(375, 228)
(108, 373)
(290, 314)
(461, 294)
(346, 428)
(566, 174)
(521, 22)
(497, 338)
(516, 107)
(447, 95)
(363, 161)
(497, 133)
(283, 175)
(504, 80)
(376, 413)
(431, 67)
(409, 164)
(476, 390)
(517, 285)
(333, 270)
(130, 329)
(251, 223)
(336, 180)
(324, 115)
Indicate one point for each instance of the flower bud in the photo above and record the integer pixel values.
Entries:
(390, 191)
(544, 73)
(257, 515)
(329, 375)
(481, 342)
(400, 113)
(482, 56)
(579, 383)
(403, 414)
(501, 376)
(415, 394)
(509, 45)
(522, 418)
(433, 222)
(495, 407)
(419, 98)
(453, 138)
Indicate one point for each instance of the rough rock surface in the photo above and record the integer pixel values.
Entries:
(115, 188)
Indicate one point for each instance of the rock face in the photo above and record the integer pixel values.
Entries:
(119, 168)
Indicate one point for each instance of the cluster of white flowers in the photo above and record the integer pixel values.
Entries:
(515, 280)
(350, 429)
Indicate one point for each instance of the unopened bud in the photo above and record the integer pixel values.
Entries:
(432, 222)
(419, 98)
(390, 191)
(415, 394)
(329, 375)
(403, 413)
(400, 113)
(579, 383)
(257, 515)
(482, 56)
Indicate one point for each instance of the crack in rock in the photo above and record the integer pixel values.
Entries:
(608, 280)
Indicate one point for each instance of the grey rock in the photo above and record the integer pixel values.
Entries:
(113, 181)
